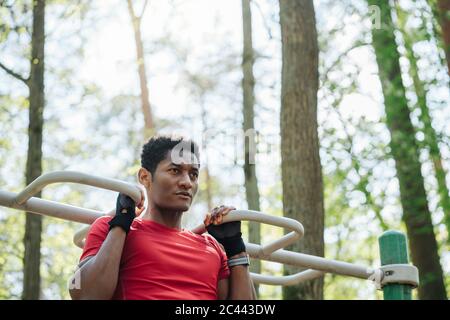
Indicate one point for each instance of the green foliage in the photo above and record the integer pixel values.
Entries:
(59, 257)
(11, 253)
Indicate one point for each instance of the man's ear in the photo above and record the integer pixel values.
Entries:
(145, 177)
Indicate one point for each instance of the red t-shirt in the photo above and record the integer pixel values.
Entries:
(162, 263)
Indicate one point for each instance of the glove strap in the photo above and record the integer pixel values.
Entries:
(239, 261)
(121, 220)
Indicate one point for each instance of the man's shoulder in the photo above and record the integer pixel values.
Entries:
(103, 219)
(101, 223)
(208, 239)
(192, 234)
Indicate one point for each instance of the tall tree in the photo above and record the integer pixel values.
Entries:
(431, 141)
(441, 12)
(208, 180)
(248, 85)
(35, 84)
(405, 151)
(33, 227)
(149, 125)
(301, 168)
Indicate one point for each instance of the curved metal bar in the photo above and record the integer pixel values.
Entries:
(283, 222)
(81, 178)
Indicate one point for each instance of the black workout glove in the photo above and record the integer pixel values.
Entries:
(125, 213)
(229, 235)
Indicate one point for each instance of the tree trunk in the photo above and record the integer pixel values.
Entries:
(248, 84)
(430, 136)
(405, 151)
(33, 225)
(301, 168)
(209, 200)
(441, 12)
(208, 182)
(149, 126)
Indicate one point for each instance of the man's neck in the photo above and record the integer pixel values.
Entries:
(168, 218)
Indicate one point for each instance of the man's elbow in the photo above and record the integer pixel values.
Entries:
(77, 294)
(101, 289)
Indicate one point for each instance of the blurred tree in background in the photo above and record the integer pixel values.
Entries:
(405, 151)
(301, 167)
(248, 89)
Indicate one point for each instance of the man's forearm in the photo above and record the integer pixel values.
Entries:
(98, 277)
(241, 284)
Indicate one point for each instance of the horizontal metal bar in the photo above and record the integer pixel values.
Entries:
(50, 208)
(286, 280)
(312, 262)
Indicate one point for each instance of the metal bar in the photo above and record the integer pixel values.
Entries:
(77, 177)
(283, 222)
(50, 208)
(312, 262)
(79, 238)
(286, 280)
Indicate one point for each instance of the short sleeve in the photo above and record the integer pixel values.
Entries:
(224, 271)
(96, 235)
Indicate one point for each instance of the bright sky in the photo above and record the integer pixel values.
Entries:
(110, 53)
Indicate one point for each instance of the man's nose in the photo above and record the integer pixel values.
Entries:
(185, 181)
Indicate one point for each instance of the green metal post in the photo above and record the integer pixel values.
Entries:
(393, 250)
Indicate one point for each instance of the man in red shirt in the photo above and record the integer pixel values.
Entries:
(151, 256)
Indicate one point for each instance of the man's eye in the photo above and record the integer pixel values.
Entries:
(195, 175)
(174, 170)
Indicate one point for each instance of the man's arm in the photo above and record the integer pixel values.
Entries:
(239, 285)
(238, 280)
(99, 274)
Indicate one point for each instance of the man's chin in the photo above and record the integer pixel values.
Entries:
(179, 208)
(175, 205)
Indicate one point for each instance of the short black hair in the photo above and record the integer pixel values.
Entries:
(157, 147)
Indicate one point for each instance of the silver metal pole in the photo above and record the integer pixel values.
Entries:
(50, 208)
(81, 178)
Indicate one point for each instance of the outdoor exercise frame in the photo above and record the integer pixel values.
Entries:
(395, 276)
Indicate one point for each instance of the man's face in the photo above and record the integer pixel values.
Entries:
(174, 185)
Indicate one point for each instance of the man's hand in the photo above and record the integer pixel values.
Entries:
(125, 212)
(139, 207)
(227, 234)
